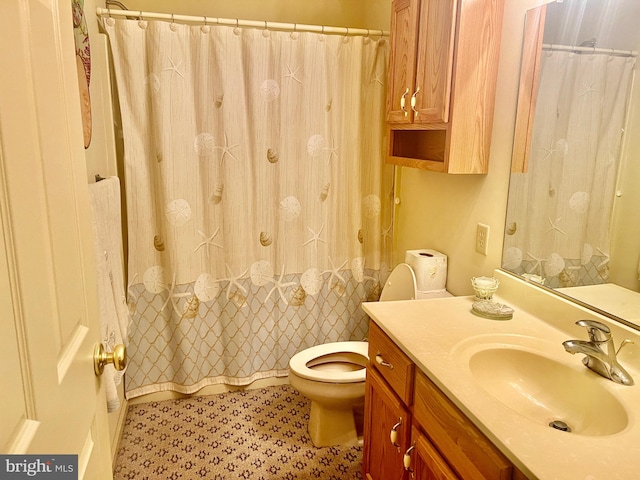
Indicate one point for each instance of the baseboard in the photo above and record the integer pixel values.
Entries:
(209, 390)
(118, 428)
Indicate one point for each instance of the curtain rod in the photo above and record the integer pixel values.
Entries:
(610, 51)
(294, 27)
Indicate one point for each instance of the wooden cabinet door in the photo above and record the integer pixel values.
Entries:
(402, 61)
(426, 463)
(528, 88)
(465, 447)
(434, 69)
(383, 411)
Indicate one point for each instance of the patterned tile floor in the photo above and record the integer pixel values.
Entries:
(253, 434)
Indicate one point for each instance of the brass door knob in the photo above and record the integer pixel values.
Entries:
(101, 358)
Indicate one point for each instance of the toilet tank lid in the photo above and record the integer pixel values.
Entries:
(401, 284)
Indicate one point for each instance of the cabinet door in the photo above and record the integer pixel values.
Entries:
(384, 412)
(431, 95)
(528, 88)
(425, 463)
(402, 61)
(465, 448)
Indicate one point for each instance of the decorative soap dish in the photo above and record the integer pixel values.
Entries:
(492, 310)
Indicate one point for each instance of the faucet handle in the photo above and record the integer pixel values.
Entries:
(624, 342)
(598, 331)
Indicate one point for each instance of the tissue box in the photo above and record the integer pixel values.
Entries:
(429, 267)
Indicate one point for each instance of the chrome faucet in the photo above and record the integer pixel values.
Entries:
(596, 359)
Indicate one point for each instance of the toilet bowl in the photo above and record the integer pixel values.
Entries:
(333, 375)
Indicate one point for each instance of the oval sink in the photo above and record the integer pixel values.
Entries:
(544, 390)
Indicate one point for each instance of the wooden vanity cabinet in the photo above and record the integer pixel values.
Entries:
(433, 438)
(441, 83)
(389, 391)
(384, 412)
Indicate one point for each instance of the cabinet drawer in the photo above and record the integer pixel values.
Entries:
(394, 366)
(465, 447)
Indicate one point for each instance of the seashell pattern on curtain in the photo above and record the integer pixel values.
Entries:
(259, 205)
(558, 214)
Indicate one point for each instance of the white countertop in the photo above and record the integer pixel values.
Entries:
(437, 334)
(609, 297)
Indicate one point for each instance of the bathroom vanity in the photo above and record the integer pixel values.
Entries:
(453, 395)
(409, 420)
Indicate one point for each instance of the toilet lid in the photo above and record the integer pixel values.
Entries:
(401, 284)
(298, 363)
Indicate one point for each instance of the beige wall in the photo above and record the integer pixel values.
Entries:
(373, 14)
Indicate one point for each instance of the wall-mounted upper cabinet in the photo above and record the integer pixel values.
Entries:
(421, 61)
(442, 82)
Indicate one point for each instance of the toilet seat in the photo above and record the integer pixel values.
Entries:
(343, 352)
(401, 284)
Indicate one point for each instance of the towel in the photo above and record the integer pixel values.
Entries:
(112, 301)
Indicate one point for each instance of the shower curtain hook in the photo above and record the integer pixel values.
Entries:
(347, 33)
(205, 28)
(172, 19)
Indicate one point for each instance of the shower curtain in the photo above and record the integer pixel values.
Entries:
(559, 211)
(259, 206)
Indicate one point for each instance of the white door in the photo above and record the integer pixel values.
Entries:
(50, 400)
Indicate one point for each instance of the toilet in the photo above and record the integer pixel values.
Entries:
(333, 375)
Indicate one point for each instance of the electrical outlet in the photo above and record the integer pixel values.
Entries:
(482, 239)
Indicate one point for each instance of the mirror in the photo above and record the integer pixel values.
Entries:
(573, 212)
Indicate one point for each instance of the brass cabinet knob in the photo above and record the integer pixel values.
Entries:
(101, 358)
